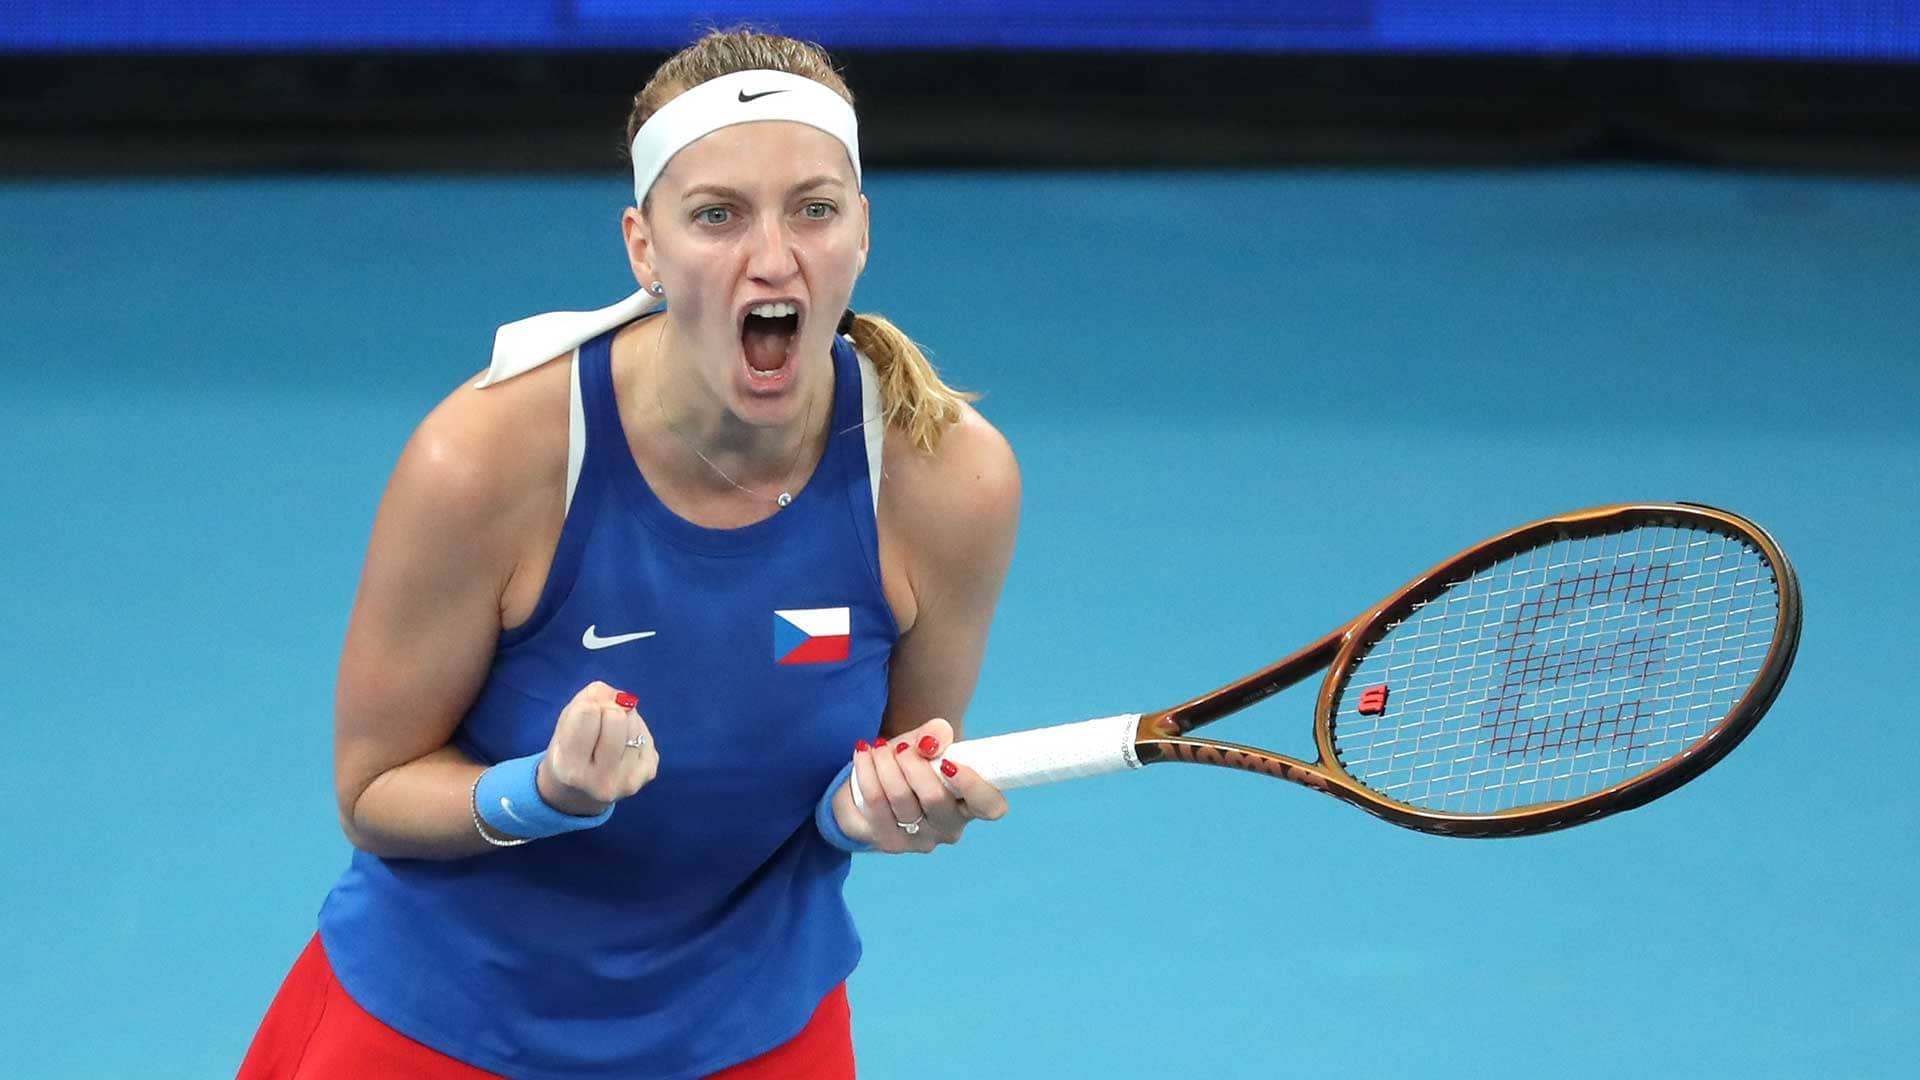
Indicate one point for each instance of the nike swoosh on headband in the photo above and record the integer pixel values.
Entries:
(746, 97)
(592, 639)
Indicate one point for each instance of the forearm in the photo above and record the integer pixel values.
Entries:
(420, 810)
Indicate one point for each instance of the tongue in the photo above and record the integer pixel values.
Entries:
(766, 343)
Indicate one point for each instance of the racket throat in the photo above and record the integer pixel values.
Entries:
(1254, 688)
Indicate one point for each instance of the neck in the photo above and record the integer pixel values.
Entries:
(719, 450)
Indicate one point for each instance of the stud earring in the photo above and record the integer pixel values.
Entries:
(658, 288)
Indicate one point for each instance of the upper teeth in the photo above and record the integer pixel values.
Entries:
(778, 310)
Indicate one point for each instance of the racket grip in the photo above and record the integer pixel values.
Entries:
(1051, 754)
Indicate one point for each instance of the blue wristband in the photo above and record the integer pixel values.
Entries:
(508, 798)
(824, 820)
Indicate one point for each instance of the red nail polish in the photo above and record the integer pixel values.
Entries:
(625, 700)
(902, 748)
(929, 746)
(861, 745)
(949, 770)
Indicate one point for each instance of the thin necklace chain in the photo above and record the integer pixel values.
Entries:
(786, 489)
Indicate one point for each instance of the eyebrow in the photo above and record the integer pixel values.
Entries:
(734, 193)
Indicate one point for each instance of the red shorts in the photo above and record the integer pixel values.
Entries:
(314, 1031)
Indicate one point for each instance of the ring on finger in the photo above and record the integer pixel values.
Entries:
(912, 827)
(638, 742)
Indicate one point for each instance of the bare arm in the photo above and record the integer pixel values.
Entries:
(476, 499)
(956, 515)
(418, 646)
(959, 519)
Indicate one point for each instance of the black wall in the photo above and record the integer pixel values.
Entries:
(113, 114)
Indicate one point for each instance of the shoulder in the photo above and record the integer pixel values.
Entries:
(483, 453)
(956, 508)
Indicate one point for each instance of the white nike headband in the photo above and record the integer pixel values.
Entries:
(740, 98)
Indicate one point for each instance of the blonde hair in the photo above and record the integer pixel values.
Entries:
(913, 397)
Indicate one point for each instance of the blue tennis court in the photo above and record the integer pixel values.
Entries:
(1246, 404)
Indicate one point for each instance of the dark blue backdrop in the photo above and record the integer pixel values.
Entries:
(1830, 29)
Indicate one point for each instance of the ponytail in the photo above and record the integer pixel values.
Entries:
(912, 396)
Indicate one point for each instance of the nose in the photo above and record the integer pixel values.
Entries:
(771, 257)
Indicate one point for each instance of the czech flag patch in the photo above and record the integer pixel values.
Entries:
(812, 635)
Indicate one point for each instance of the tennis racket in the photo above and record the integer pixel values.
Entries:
(1562, 671)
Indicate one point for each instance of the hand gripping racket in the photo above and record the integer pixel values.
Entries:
(1552, 675)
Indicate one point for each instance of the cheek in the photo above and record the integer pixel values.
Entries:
(697, 297)
(846, 240)
(837, 258)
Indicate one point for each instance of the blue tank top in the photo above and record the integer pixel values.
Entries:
(704, 922)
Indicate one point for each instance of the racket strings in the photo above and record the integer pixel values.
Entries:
(1560, 671)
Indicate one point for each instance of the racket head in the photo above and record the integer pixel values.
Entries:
(1565, 670)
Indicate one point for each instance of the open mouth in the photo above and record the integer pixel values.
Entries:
(767, 335)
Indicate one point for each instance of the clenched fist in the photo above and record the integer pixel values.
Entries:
(601, 752)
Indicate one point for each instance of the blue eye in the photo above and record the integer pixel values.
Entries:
(825, 209)
(705, 217)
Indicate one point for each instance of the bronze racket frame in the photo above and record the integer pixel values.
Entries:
(1162, 736)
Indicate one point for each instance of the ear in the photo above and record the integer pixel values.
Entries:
(639, 241)
(866, 232)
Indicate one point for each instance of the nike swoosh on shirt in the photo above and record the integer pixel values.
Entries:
(593, 640)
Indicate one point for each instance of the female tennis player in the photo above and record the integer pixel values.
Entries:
(659, 622)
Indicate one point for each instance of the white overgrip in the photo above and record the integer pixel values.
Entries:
(1051, 754)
